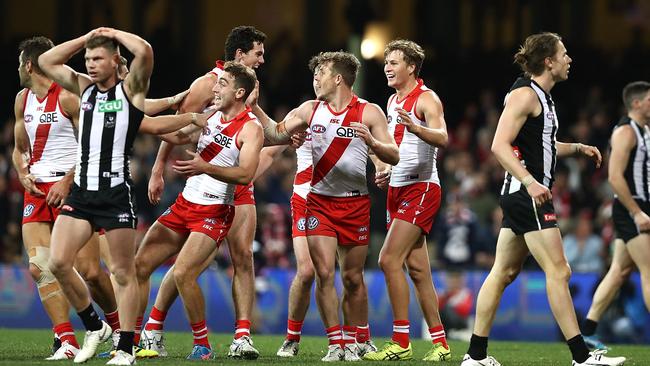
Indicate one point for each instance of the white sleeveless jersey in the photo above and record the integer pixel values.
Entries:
(339, 157)
(302, 181)
(417, 159)
(51, 136)
(218, 146)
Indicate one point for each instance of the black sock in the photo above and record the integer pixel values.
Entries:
(578, 348)
(589, 327)
(90, 318)
(478, 347)
(126, 342)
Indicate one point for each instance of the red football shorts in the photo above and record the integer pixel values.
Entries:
(298, 216)
(36, 209)
(244, 194)
(416, 203)
(345, 218)
(185, 217)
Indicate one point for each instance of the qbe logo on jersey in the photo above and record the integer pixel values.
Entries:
(29, 209)
(312, 222)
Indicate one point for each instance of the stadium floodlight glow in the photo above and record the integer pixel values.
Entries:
(369, 48)
(375, 38)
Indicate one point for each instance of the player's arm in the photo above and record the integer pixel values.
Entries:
(52, 62)
(161, 125)
(155, 106)
(251, 139)
(566, 149)
(186, 135)
(373, 129)
(521, 103)
(137, 81)
(623, 141)
(435, 132)
(382, 172)
(21, 153)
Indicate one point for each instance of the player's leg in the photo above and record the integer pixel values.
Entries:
(511, 252)
(606, 291)
(352, 259)
(240, 245)
(639, 250)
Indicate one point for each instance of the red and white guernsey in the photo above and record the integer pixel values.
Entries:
(51, 136)
(302, 181)
(339, 157)
(218, 146)
(218, 69)
(417, 159)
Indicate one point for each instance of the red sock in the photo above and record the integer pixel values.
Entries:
(65, 332)
(401, 333)
(294, 329)
(363, 333)
(242, 328)
(334, 335)
(156, 319)
(113, 319)
(349, 334)
(138, 330)
(200, 332)
(438, 335)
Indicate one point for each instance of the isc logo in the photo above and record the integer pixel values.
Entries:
(223, 140)
(110, 106)
(348, 132)
(49, 117)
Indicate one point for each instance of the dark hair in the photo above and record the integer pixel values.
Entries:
(535, 50)
(102, 41)
(244, 76)
(243, 38)
(413, 52)
(634, 90)
(343, 63)
(32, 48)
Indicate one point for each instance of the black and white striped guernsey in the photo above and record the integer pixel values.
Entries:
(535, 142)
(638, 166)
(108, 124)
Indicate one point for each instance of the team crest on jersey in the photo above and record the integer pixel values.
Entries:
(109, 122)
(85, 106)
(318, 129)
(312, 222)
(28, 118)
(301, 224)
(29, 209)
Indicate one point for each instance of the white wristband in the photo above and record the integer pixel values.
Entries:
(527, 180)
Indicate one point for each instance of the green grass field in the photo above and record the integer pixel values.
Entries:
(30, 347)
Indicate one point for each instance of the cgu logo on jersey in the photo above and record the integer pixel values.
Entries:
(110, 106)
(347, 132)
(223, 140)
(48, 117)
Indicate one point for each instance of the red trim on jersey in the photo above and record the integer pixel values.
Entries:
(338, 145)
(219, 65)
(409, 106)
(313, 112)
(419, 85)
(354, 100)
(415, 107)
(43, 129)
(58, 102)
(26, 94)
(213, 149)
(304, 176)
(390, 100)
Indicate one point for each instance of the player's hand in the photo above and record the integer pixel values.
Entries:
(642, 222)
(403, 118)
(382, 179)
(175, 101)
(591, 152)
(156, 186)
(58, 192)
(298, 138)
(363, 132)
(202, 119)
(191, 167)
(251, 101)
(29, 183)
(106, 32)
(539, 193)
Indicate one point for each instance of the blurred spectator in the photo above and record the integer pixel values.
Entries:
(456, 303)
(582, 247)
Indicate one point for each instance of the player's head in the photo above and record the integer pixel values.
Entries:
(245, 44)
(29, 50)
(102, 58)
(332, 70)
(636, 96)
(544, 52)
(402, 61)
(234, 86)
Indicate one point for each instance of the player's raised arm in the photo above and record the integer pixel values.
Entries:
(53, 64)
(279, 133)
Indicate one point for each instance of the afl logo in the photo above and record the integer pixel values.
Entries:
(85, 106)
(28, 118)
(318, 129)
(312, 223)
(550, 116)
(301, 224)
(29, 209)
(206, 131)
